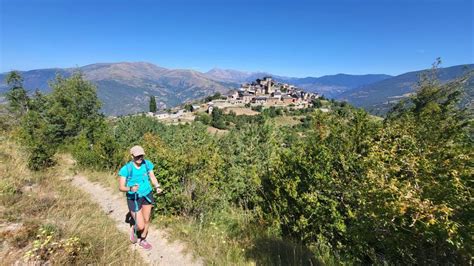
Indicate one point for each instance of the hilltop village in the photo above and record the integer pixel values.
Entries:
(268, 93)
(264, 92)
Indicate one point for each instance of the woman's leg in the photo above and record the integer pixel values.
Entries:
(146, 213)
(139, 222)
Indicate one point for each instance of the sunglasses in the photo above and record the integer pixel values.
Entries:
(139, 157)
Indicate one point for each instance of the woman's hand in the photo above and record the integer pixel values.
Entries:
(134, 188)
(158, 189)
(155, 182)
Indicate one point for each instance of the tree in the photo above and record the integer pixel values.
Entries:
(74, 106)
(218, 118)
(152, 104)
(188, 107)
(17, 96)
(203, 118)
(58, 118)
(37, 133)
(216, 96)
(317, 103)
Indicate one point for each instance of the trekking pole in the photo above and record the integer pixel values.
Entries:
(136, 213)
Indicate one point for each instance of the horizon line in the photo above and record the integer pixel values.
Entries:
(229, 69)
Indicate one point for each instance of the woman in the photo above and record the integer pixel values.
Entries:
(134, 178)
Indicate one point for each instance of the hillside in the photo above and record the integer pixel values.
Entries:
(379, 96)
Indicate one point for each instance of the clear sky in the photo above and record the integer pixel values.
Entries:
(292, 38)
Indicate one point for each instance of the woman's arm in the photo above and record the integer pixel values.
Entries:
(154, 181)
(124, 188)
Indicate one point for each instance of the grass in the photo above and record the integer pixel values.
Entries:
(44, 219)
(216, 131)
(212, 238)
(106, 179)
(287, 120)
(240, 111)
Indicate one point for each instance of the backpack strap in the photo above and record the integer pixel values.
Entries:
(146, 167)
(129, 171)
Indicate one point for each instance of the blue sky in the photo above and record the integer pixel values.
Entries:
(292, 38)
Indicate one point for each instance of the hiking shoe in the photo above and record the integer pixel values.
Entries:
(145, 245)
(133, 237)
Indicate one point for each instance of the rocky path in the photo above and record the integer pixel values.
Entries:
(163, 252)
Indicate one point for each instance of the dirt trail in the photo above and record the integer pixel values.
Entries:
(163, 252)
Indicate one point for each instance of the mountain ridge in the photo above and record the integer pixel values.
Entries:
(386, 92)
(125, 87)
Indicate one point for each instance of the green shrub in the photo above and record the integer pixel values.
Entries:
(203, 118)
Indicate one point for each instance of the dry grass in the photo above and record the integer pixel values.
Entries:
(376, 118)
(44, 216)
(216, 131)
(106, 179)
(287, 120)
(241, 111)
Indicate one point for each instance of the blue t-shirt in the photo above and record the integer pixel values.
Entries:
(138, 176)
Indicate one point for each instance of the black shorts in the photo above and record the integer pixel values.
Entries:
(148, 200)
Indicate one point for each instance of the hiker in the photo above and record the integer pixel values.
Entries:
(134, 178)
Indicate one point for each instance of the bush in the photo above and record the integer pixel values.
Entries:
(257, 108)
(203, 118)
(189, 170)
(218, 118)
(48, 245)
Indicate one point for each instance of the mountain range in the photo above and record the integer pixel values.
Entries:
(125, 87)
(378, 97)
